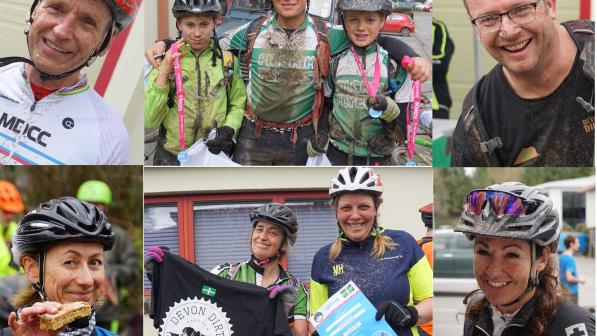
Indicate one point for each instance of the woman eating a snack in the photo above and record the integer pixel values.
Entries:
(60, 246)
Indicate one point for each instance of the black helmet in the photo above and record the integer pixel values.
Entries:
(537, 223)
(277, 214)
(59, 220)
(427, 215)
(182, 7)
(382, 6)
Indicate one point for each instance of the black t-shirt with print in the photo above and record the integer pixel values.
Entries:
(187, 300)
(551, 131)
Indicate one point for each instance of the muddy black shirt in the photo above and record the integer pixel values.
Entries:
(550, 131)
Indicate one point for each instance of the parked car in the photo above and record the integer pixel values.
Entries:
(452, 255)
(399, 23)
(404, 5)
(427, 6)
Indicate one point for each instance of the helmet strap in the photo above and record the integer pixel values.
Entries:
(533, 277)
(39, 286)
(266, 261)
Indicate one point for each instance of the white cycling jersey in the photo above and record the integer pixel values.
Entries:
(73, 125)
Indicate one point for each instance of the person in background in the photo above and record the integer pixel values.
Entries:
(426, 244)
(443, 49)
(11, 205)
(121, 262)
(568, 275)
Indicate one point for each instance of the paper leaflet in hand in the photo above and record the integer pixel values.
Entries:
(349, 312)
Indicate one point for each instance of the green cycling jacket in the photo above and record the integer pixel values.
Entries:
(208, 102)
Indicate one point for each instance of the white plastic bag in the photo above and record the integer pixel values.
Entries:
(318, 161)
(200, 156)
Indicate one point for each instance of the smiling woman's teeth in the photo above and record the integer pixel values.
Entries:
(497, 283)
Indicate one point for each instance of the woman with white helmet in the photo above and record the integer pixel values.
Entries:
(515, 231)
(387, 265)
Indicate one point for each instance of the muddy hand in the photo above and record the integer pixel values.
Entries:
(419, 69)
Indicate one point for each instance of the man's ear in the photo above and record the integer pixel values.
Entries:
(31, 267)
(551, 8)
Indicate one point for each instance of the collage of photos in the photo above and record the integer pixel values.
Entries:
(436, 168)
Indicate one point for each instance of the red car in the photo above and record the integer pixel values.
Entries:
(399, 23)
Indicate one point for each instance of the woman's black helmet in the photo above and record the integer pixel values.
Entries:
(61, 220)
(277, 214)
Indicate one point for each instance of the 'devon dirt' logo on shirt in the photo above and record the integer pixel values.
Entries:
(196, 317)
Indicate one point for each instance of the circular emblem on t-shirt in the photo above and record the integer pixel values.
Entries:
(196, 317)
(68, 123)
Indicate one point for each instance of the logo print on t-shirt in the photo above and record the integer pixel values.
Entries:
(68, 123)
(196, 317)
(579, 329)
(588, 124)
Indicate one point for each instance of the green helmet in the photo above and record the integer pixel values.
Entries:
(382, 6)
(95, 191)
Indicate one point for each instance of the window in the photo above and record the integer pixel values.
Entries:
(573, 208)
(160, 228)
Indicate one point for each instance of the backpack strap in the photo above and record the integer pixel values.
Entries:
(250, 36)
(482, 147)
(320, 67)
(583, 34)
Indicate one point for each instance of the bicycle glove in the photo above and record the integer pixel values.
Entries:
(397, 315)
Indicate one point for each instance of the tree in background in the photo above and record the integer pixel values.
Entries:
(450, 186)
(534, 176)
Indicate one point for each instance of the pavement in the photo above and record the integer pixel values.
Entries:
(448, 310)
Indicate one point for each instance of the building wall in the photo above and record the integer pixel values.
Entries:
(405, 190)
(125, 91)
(590, 201)
(462, 68)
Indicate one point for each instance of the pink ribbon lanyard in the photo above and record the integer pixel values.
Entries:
(374, 85)
(179, 96)
(413, 124)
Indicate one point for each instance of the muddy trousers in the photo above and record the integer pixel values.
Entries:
(272, 148)
(339, 158)
(164, 158)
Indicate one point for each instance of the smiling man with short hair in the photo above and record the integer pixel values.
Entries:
(48, 112)
(536, 107)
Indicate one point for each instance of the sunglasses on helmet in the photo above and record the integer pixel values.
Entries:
(502, 203)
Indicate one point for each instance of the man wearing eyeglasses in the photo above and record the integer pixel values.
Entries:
(536, 106)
